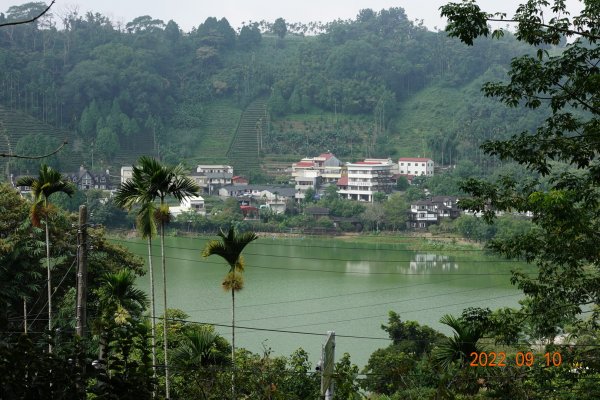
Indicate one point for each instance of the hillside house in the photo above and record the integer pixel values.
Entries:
(365, 178)
(311, 173)
(212, 177)
(415, 166)
(239, 180)
(274, 197)
(86, 180)
(424, 213)
(189, 204)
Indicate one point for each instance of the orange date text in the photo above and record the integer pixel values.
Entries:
(522, 359)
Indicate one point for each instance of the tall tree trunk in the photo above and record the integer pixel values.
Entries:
(165, 321)
(152, 309)
(49, 284)
(233, 338)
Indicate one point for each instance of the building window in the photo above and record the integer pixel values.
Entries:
(408, 164)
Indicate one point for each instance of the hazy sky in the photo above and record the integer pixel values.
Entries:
(190, 13)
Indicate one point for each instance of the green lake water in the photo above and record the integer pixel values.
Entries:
(319, 285)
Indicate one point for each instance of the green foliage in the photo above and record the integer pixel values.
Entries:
(227, 213)
(402, 183)
(107, 143)
(563, 201)
(345, 383)
(379, 197)
(280, 28)
(20, 255)
(373, 68)
(395, 209)
(250, 36)
(36, 144)
(409, 336)
(373, 216)
(28, 372)
(385, 369)
(309, 196)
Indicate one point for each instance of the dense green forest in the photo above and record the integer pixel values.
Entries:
(78, 82)
(376, 85)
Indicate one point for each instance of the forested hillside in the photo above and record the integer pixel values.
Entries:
(377, 85)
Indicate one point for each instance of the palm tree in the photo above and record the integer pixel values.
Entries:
(130, 192)
(48, 182)
(230, 248)
(152, 180)
(120, 300)
(121, 304)
(201, 350)
(460, 345)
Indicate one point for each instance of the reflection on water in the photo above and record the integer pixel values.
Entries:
(425, 262)
(358, 267)
(422, 263)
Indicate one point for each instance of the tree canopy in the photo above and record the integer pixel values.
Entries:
(562, 192)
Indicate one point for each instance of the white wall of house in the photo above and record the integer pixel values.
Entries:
(209, 176)
(126, 173)
(305, 179)
(214, 168)
(192, 203)
(416, 166)
(365, 178)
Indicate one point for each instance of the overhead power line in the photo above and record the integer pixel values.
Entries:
(327, 297)
(27, 21)
(281, 243)
(369, 305)
(65, 142)
(402, 312)
(344, 272)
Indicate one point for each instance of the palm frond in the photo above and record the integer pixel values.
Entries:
(463, 342)
(119, 288)
(48, 182)
(129, 193)
(215, 247)
(181, 186)
(26, 181)
(200, 347)
(146, 222)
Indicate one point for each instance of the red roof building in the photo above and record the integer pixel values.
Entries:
(239, 180)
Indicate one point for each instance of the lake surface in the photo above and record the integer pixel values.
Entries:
(318, 285)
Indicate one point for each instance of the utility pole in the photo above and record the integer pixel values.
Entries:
(326, 367)
(80, 319)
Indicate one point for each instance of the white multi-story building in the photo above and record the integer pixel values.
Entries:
(309, 173)
(415, 166)
(365, 178)
(211, 177)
